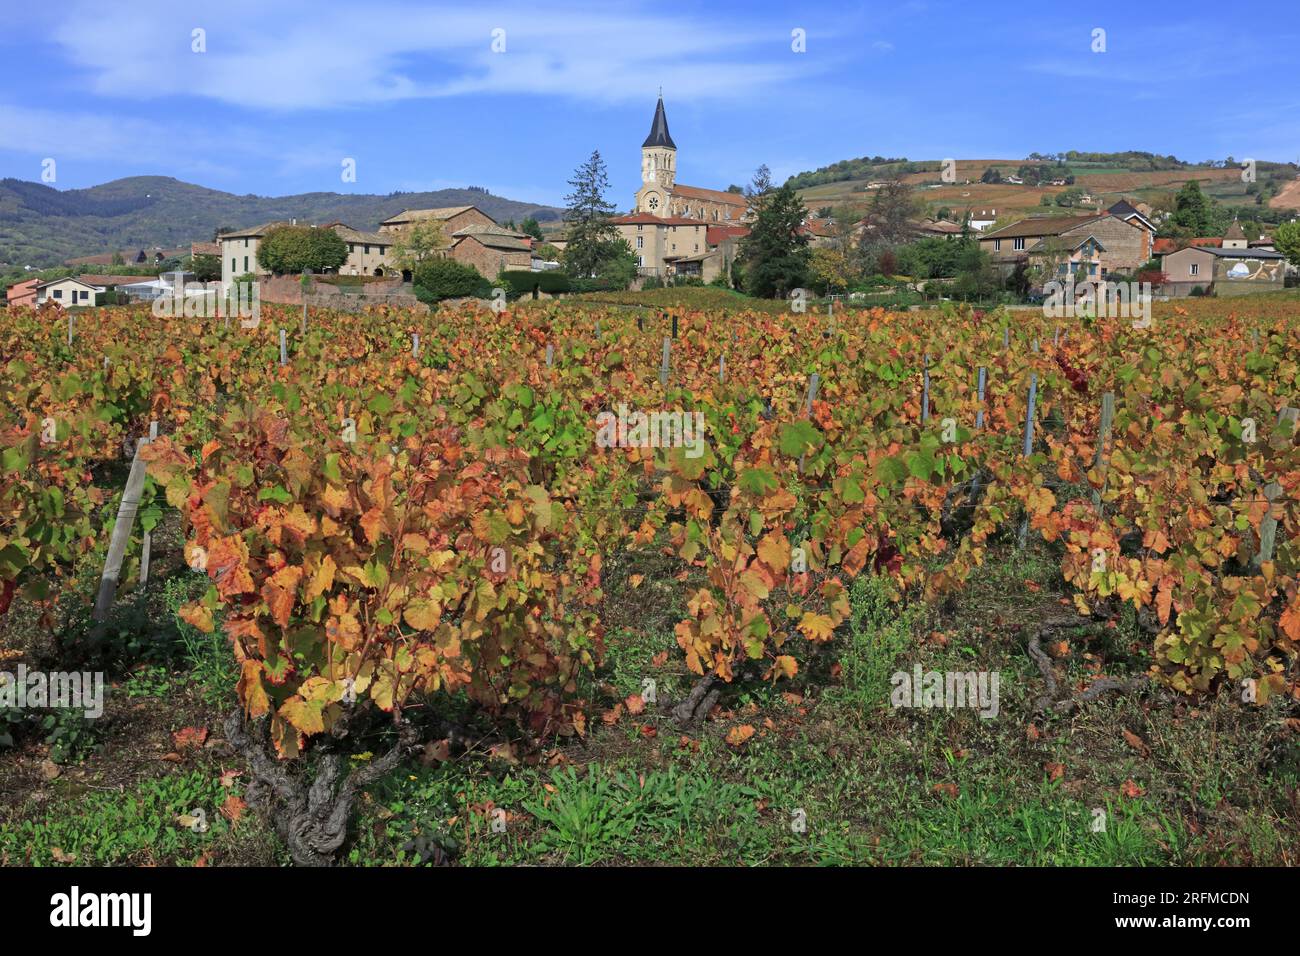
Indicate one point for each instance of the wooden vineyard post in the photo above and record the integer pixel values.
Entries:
(1103, 438)
(663, 365)
(550, 355)
(306, 282)
(1268, 525)
(1006, 337)
(71, 320)
(598, 329)
(979, 413)
(925, 390)
(1028, 448)
(813, 384)
(284, 355)
(121, 537)
(415, 345)
(722, 367)
(146, 543)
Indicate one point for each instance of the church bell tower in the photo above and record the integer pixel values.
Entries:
(658, 165)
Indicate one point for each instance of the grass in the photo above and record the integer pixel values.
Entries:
(833, 774)
(138, 826)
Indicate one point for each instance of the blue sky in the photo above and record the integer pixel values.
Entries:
(415, 94)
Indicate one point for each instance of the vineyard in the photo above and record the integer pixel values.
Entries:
(403, 536)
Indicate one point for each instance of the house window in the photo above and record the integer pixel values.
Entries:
(232, 264)
(367, 249)
(1019, 242)
(1196, 268)
(674, 247)
(997, 245)
(352, 247)
(245, 263)
(640, 242)
(639, 227)
(58, 293)
(85, 295)
(640, 261)
(245, 243)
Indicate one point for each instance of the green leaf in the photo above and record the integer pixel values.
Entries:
(796, 438)
(757, 481)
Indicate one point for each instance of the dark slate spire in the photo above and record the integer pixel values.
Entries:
(659, 129)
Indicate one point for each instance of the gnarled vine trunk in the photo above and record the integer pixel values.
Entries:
(310, 811)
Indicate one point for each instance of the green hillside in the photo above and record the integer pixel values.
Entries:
(41, 226)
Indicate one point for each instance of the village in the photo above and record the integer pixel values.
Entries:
(680, 234)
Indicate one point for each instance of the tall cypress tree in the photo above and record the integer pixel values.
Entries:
(587, 214)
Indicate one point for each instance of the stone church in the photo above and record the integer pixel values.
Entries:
(661, 195)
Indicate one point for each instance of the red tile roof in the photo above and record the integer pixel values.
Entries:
(716, 234)
(649, 219)
(709, 195)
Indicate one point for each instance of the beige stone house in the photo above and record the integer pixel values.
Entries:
(367, 251)
(492, 249)
(669, 247)
(451, 218)
(1047, 242)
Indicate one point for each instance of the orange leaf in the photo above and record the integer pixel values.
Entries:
(738, 735)
(1137, 743)
(188, 737)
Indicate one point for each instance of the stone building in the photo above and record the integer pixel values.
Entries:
(660, 193)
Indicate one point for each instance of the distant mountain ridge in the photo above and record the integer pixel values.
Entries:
(41, 226)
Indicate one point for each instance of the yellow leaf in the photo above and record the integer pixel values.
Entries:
(816, 627)
(787, 665)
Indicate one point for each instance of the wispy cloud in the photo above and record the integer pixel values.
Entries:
(71, 136)
(305, 56)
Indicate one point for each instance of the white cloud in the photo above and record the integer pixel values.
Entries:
(303, 56)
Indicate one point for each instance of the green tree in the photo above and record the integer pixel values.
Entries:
(1193, 210)
(438, 279)
(532, 227)
(587, 214)
(775, 252)
(289, 249)
(423, 240)
(617, 265)
(206, 268)
(1286, 239)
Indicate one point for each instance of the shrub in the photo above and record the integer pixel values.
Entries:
(519, 283)
(438, 279)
